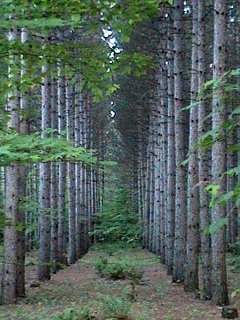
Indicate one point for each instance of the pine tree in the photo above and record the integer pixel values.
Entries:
(180, 196)
(219, 274)
(44, 263)
(191, 277)
(204, 161)
(12, 193)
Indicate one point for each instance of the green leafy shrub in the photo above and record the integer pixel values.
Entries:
(67, 314)
(73, 314)
(116, 308)
(101, 266)
(235, 263)
(118, 270)
(85, 314)
(117, 222)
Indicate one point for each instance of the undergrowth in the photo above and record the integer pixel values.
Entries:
(110, 308)
(117, 221)
(118, 270)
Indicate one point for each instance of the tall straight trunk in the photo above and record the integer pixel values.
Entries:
(161, 173)
(232, 137)
(147, 199)
(141, 191)
(84, 218)
(171, 172)
(44, 262)
(180, 198)
(62, 225)
(238, 95)
(54, 181)
(232, 213)
(36, 194)
(78, 102)
(12, 194)
(154, 180)
(81, 238)
(191, 278)
(164, 106)
(29, 213)
(10, 235)
(71, 174)
(219, 273)
(23, 172)
(84, 179)
(89, 171)
(204, 161)
(140, 176)
(157, 172)
(94, 201)
(151, 184)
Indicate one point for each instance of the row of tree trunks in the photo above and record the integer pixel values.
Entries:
(176, 226)
(48, 205)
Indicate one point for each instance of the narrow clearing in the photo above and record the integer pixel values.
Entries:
(79, 289)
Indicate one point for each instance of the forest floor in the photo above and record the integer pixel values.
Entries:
(79, 293)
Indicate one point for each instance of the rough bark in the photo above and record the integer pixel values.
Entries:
(219, 274)
(71, 175)
(180, 198)
(12, 194)
(54, 181)
(23, 173)
(204, 161)
(44, 263)
(171, 173)
(191, 278)
(62, 226)
(78, 105)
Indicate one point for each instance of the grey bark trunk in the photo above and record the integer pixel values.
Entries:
(54, 182)
(12, 194)
(171, 171)
(44, 263)
(23, 173)
(78, 102)
(180, 198)
(219, 273)
(204, 161)
(62, 225)
(71, 175)
(191, 278)
(164, 128)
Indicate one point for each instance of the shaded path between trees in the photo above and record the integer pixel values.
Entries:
(79, 286)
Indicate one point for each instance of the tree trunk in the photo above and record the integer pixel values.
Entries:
(12, 194)
(191, 278)
(219, 274)
(71, 175)
(180, 198)
(204, 161)
(171, 165)
(54, 182)
(78, 105)
(62, 225)
(44, 263)
(23, 173)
